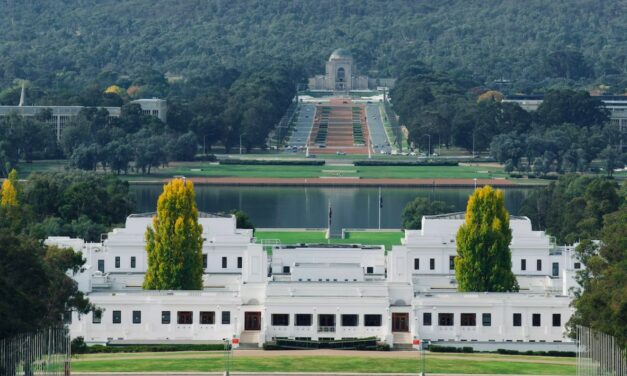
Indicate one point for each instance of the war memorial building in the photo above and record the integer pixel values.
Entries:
(325, 292)
(341, 75)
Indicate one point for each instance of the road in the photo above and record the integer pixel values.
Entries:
(376, 129)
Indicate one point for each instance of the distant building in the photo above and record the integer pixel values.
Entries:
(341, 75)
(321, 292)
(62, 115)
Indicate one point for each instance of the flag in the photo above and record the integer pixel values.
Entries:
(330, 214)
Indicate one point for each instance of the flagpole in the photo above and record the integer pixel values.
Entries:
(380, 206)
(329, 224)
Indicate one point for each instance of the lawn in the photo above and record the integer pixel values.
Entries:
(277, 363)
(386, 238)
(373, 172)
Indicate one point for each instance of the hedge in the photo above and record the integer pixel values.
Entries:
(405, 163)
(272, 162)
(450, 349)
(79, 347)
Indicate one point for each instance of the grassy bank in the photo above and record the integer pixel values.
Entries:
(208, 362)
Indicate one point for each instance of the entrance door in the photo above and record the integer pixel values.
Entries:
(252, 320)
(400, 322)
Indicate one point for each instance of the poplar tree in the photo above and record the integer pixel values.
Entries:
(484, 260)
(174, 243)
(8, 194)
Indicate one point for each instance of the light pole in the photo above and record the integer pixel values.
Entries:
(240, 144)
(428, 150)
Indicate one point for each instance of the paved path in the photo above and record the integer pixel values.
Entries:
(271, 374)
(327, 352)
(303, 125)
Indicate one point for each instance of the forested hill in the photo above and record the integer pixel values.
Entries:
(530, 42)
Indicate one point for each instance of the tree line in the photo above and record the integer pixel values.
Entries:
(226, 110)
(516, 45)
(569, 130)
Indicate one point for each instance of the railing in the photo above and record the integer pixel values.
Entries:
(326, 329)
(599, 354)
(46, 352)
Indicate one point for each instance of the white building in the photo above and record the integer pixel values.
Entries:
(322, 292)
(62, 115)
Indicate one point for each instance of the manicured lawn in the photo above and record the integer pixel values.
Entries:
(374, 172)
(387, 238)
(215, 362)
(292, 237)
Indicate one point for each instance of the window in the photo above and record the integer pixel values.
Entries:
(223, 262)
(137, 317)
(350, 320)
(184, 317)
(101, 266)
(326, 322)
(369, 270)
(535, 319)
(303, 319)
(117, 317)
(207, 318)
(539, 265)
(372, 320)
(451, 262)
(523, 264)
(117, 262)
(577, 265)
(445, 319)
(432, 264)
(426, 319)
(133, 262)
(416, 264)
(517, 319)
(226, 317)
(280, 319)
(556, 269)
(286, 270)
(204, 261)
(468, 319)
(96, 317)
(557, 319)
(486, 319)
(165, 317)
(239, 262)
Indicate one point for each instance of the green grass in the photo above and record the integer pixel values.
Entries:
(292, 237)
(204, 169)
(386, 238)
(242, 363)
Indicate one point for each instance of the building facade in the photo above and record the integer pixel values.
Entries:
(341, 75)
(62, 115)
(323, 292)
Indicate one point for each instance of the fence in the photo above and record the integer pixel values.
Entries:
(599, 354)
(46, 352)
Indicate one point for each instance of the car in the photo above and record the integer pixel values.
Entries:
(435, 154)
(383, 151)
(339, 152)
(310, 156)
(423, 154)
(413, 153)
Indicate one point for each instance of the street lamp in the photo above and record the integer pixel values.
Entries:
(428, 150)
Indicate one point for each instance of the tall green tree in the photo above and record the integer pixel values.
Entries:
(484, 261)
(413, 212)
(174, 243)
(602, 302)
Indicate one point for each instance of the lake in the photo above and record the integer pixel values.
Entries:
(307, 207)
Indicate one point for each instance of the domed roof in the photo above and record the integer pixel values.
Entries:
(340, 53)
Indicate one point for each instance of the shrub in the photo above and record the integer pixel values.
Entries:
(271, 162)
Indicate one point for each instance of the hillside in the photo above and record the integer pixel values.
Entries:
(66, 41)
